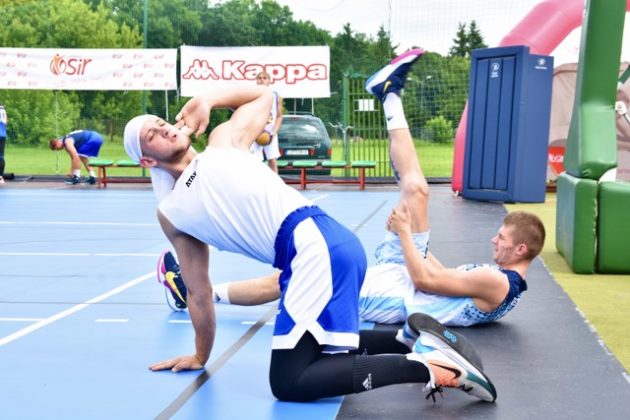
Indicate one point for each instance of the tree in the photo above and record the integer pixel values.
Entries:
(475, 39)
(466, 41)
(460, 42)
(53, 24)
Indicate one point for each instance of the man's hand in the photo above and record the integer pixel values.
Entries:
(178, 364)
(399, 220)
(195, 116)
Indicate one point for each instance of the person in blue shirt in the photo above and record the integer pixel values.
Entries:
(81, 145)
(3, 138)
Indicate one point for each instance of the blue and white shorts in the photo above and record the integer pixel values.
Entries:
(323, 266)
(390, 249)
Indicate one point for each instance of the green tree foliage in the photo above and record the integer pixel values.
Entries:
(436, 81)
(475, 39)
(460, 42)
(466, 40)
(39, 115)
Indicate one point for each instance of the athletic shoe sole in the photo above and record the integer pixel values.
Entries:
(422, 323)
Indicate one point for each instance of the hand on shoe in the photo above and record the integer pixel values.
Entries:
(178, 364)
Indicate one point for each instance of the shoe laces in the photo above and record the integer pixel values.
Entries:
(442, 381)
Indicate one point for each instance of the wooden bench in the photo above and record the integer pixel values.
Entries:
(304, 165)
(103, 164)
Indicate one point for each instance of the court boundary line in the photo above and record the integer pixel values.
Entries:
(207, 373)
(76, 308)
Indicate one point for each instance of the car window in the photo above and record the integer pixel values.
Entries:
(301, 130)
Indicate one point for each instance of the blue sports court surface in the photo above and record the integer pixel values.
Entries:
(82, 317)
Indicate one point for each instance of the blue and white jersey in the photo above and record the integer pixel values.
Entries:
(388, 296)
(87, 143)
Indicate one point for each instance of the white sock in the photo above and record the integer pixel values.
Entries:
(77, 173)
(220, 294)
(394, 112)
(92, 173)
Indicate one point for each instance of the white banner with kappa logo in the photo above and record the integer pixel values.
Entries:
(296, 72)
(88, 69)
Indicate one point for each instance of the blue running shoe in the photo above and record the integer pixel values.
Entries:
(168, 274)
(73, 180)
(391, 78)
(449, 368)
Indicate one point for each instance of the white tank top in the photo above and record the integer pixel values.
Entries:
(232, 201)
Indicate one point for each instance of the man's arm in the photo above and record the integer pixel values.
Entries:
(486, 286)
(255, 291)
(278, 116)
(193, 260)
(72, 151)
(251, 104)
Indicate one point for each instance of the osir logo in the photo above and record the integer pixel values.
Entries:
(73, 66)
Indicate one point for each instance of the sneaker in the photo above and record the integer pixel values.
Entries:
(168, 274)
(449, 368)
(90, 180)
(391, 78)
(73, 180)
(417, 323)
(1, 180)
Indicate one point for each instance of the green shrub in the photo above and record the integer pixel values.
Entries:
(440, 130)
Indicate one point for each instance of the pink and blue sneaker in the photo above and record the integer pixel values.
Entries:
(391, 78)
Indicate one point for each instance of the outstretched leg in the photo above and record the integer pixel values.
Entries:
(386, 85)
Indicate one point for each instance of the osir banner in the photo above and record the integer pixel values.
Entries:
(88, 69)
(296, 72)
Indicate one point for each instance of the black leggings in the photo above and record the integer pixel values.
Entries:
(304, 373)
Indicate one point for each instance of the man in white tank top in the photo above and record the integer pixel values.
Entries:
(226, 198)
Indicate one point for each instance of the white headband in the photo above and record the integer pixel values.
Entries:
(161, 180)
(132, 137)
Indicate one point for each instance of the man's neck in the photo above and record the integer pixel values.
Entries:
(176, 169)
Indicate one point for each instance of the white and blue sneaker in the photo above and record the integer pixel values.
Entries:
(449, 368)
(417, 323)
(391, 78)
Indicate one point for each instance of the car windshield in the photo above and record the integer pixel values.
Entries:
(300, 130)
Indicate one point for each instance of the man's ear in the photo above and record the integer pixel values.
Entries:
(147, 162)
(521, 249)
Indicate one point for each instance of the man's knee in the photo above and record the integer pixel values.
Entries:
(285, 389)
(415, 190)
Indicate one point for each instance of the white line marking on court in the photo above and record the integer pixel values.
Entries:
(7, 319)
(74, 254)
(80, 223)
(254, 322)
(76, 308)
(321, 197)
(111, 320)
(179, 321)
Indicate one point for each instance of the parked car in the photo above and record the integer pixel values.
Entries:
(303, 137)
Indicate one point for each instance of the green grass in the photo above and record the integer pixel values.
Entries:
(436, 159)
(23, 160)
(593, 294)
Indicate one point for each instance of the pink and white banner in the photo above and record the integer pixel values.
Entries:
(296, 72)
(88, 69)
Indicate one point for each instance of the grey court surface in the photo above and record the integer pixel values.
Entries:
(81, 318)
